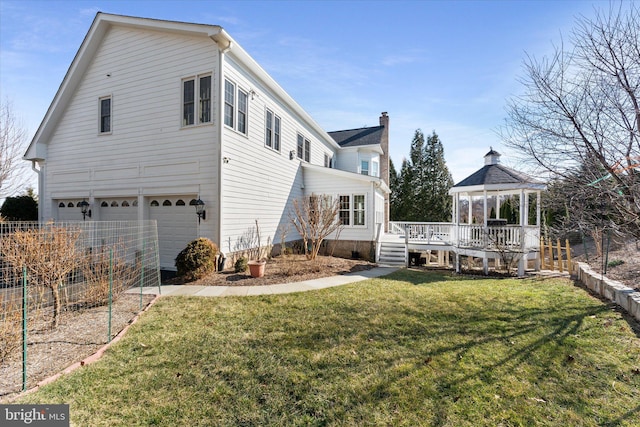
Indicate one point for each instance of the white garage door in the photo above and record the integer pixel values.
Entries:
(177, 226)
(118, 209)
(68, 210)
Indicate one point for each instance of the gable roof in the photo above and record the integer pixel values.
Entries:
(358, 137)
(100, 25)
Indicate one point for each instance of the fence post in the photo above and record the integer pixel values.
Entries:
(551, 266)
(568, 249)
(110, 290)
(559, 256)
(542, 264)
(24, 328)
(142, 271)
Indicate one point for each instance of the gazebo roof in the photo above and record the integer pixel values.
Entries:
(496, 177)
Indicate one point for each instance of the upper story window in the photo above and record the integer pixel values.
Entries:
(105, 115)
(236, 107)
(364, 167)
(304, 148)
(328, 160)
(196, 100)
(229, 103)
(272, 131)
(375, 169)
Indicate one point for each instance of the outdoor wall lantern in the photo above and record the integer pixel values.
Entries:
(84, 208)
(291, 154)
(202, 214)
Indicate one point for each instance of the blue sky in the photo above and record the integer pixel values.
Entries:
(443, 66)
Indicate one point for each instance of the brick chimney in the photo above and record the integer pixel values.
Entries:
(384, 164)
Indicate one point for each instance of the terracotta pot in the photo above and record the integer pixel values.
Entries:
(256, 268)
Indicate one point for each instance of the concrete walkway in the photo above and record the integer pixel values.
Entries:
(285, 288)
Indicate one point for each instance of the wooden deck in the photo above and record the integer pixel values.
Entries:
(491, 242)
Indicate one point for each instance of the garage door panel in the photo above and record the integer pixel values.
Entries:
(177, 226)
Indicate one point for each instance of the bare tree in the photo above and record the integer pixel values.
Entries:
(315, 218)
(12, 144)
(49, 254)
(579, 116)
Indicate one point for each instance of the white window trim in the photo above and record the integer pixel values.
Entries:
(352, 210)
(274, 118)
(102, 98)
(196, 100)
(237, 89)
(306, 142)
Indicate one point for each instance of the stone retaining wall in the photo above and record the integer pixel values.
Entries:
(614, 291)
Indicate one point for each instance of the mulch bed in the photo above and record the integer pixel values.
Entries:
(79, 335)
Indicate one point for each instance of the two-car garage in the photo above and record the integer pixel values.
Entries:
(175, 216)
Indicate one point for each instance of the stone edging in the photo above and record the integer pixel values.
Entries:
(614, 291)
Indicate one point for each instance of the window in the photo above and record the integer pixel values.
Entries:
(328, 160)
(188, 102)
(364, 167)
(344, 210)
(352, 213)
(229, 103)
(304, 148)
(104, 205)
(236, 107)
(375, 169)
(154, 203)
(358, 209)
(242, 111)
(166, 203)
(272, 131)
(105, 115)
(203, 101)
(114, 204)
(125, 204)
(180, 202)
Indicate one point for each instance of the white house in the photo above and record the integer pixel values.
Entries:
(155, 115)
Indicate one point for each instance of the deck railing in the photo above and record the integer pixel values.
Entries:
(507, 237)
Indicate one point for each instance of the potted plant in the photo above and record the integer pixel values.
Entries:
(256, 267)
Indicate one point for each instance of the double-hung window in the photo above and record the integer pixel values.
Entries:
(229, 103)
(375, 170)
(304, 148)
(358, 209)
(236, 107)
(196, 100)
(345, 210)
(105, 114)
(272, 131)
(364, 167)
(352, 209)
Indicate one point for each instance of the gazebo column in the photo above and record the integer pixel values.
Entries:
(485, 260)
(537, 261)
(469, 219)
(524, 215)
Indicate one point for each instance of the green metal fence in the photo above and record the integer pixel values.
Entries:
(66, 289)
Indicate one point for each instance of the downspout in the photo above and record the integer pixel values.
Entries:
(40, 186)
(221, 52)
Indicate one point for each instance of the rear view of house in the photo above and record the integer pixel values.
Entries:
(155, 117)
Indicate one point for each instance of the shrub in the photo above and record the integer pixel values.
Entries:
(241, 265)
(615, 263)
(198, 259)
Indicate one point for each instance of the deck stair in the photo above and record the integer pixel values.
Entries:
(392, 252)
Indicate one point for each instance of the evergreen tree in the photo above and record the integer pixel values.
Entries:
(421, 191)
(20, 208)
(394, 197)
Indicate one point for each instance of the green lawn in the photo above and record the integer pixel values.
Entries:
(409, 349)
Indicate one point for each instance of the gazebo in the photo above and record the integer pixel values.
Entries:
(477, 202)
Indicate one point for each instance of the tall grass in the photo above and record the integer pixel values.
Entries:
(409, 349)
